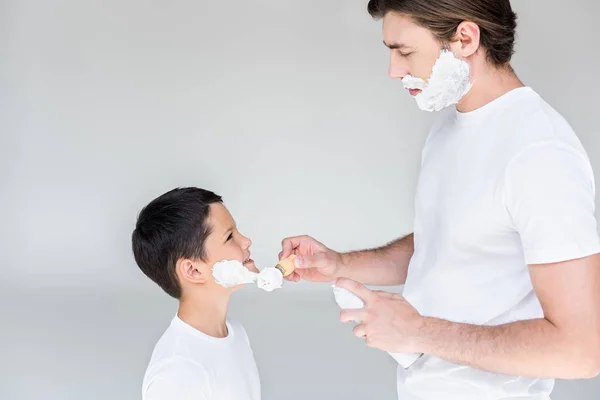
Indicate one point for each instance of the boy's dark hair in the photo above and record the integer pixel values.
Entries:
(173, 226)
(496, 20)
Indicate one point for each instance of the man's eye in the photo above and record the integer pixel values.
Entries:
(405, 54)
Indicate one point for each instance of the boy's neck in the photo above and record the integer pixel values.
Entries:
(205, 313)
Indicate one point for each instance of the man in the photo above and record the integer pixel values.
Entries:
(502, 273)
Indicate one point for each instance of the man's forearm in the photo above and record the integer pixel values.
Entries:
(533, 348)
(385, 266)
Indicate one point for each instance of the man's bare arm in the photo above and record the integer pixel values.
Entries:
(384, 266)
(565, 344)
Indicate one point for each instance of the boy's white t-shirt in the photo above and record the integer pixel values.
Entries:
(189, 365)
(500, 188)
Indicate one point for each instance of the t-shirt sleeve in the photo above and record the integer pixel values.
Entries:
(179, 380)
(549, 194)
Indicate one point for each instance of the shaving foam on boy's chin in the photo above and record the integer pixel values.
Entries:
(269, 279)
(348, 300)
(448, 84)
(229, 273)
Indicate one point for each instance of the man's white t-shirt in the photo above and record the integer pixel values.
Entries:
(189, 365)
(501, 187)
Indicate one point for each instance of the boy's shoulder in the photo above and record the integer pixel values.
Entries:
(171, 364)
(180, 338)
(169, 349)
(180, 342)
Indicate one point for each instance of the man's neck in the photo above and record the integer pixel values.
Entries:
(207, 314)
(488, 85)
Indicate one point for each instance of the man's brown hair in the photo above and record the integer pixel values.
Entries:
(496, 20)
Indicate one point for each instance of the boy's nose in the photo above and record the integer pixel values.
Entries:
(246, 242)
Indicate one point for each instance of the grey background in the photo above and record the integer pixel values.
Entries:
(283, 107)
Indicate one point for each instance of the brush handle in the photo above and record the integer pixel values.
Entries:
(286, 265)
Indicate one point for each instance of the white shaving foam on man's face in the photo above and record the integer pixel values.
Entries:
(269, 279)
(229, 273)
(447, 85)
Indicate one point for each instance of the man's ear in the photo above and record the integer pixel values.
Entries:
(191, 271)
(468, 35)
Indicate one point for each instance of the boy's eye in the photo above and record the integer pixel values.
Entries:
(405, 54)
(230, 237)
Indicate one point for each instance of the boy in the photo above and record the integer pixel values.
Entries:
(178, 238)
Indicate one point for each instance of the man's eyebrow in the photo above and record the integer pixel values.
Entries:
(394, 45)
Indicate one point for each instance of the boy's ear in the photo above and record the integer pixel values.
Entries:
(191, 271)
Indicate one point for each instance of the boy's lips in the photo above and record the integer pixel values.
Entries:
(414, 92)
(250, 265)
